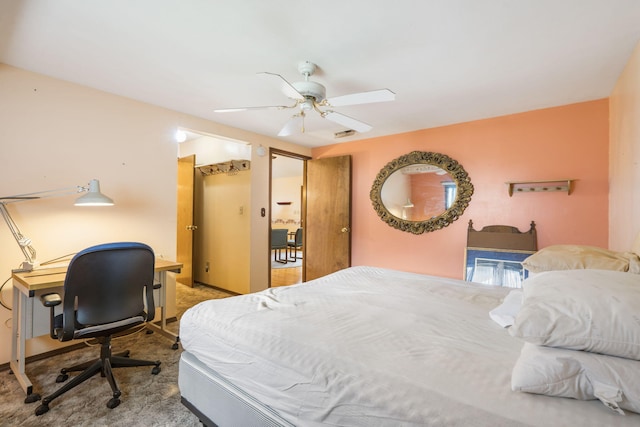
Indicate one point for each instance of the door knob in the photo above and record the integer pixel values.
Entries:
(345, 229)
(192, 227)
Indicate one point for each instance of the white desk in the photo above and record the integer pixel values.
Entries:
(25, 287)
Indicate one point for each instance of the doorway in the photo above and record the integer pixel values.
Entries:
(286, 213)
(219, 223)
(185, 224)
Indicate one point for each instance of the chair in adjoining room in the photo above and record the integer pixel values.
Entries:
(294, 245)
(106, 291)
(278, 243)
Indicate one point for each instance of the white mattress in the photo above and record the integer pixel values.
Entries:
(374, 347)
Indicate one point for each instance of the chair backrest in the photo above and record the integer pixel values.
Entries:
(299, 237)
(279, 238)
(108, 283)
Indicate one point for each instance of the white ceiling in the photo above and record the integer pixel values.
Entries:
(448, 61)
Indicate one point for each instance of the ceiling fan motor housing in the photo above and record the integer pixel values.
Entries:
(311, 89)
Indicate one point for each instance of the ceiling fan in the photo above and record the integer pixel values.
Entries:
(309, 95)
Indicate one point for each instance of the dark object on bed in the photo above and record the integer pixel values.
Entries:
(105, 292)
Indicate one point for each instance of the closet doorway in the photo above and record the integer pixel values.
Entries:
(220, 205)
(286, 218)
(186, 227)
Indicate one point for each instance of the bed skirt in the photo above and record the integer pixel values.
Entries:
(216, 402)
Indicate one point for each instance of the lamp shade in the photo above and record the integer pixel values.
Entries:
(93, 197)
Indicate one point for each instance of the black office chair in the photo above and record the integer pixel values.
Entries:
(294, 245)
(105, 292)
(278, 243)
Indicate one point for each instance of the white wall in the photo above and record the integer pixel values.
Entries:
(57, 134)
(286, 189)
(210, 150)
(624, 157)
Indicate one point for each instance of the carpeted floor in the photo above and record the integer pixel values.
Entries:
(147, 400)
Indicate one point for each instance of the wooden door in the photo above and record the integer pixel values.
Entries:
(186, 228)
(327, 227)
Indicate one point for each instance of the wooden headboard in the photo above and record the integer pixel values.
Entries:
(502, 237)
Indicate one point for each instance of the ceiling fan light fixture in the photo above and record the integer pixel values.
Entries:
(307, 105)
(309, 95)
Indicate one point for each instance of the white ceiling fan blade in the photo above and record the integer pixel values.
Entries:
(235, 110)
(294, 124)
(286, 87)
(380, 95)
(346, 121)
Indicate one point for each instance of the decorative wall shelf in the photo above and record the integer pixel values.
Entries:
(533, 186)
(232, 167)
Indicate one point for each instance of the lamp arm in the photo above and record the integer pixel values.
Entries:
(43, 194)
(24, 242)
(92, 198)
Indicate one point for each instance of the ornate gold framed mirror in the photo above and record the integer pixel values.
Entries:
(421, 191)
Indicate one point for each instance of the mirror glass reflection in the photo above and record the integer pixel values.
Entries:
(418, 192)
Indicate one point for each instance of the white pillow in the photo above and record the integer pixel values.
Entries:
(591, 310)
(505, 314)
(574, 257)
(578, 375)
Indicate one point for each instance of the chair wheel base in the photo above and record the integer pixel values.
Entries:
(42, 409)
(62, 378)
(156, 370)
(174, 346)
(32, 397)
(113, 402)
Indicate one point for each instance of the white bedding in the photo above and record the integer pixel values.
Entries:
(374, 347)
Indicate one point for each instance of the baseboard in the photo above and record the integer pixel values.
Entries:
(217, 288)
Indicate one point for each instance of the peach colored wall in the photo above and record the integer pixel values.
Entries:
(624, 173)
(427, 195)
(568, 142)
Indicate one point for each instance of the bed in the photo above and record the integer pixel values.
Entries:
(375, 347)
